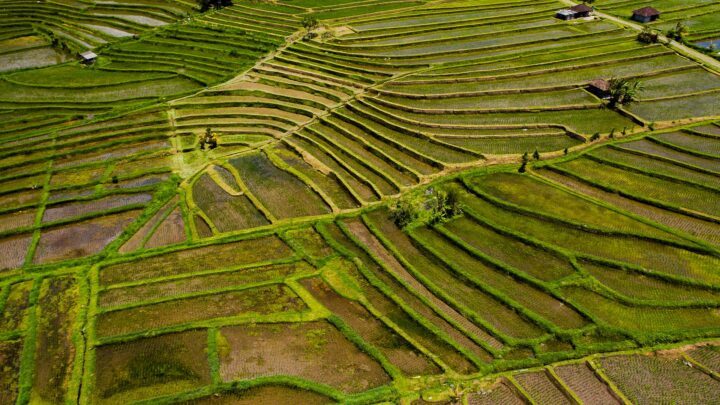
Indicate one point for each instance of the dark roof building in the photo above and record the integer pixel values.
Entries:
(582, 9)
(600, 88)
(579, 11)
(645, 14)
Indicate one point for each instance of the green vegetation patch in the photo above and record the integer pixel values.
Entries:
(197, 259)
(150, 367)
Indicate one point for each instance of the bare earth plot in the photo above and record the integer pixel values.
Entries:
(359, 202)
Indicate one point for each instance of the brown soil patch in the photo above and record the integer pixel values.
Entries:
(136, 241)
(651, 379)
(585, 384)
(14, 249)
(228, 212)
(306, 350)
(397, 350)
(16, 220)
(83, 238)
(541, 388)
(171, 231)
(203, 229)
(502, 393)
(63, 211)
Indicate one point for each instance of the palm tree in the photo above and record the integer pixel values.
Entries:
(623, 91)
(680, 31)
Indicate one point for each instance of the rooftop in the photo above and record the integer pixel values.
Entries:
(88, 55)
(600, 84)
(646, 12)
(581, 8)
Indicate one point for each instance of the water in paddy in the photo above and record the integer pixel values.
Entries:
(713, 44)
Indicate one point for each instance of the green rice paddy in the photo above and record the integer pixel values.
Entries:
(410, 202)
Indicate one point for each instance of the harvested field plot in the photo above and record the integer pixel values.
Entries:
(226, 211)
(308, 351)
(581, 379)
(83, 238)
(16, 248)
(393, 346)
(258, 301)
(541, 388)
(283, 194)
(658, 378)
(501, 393)
(336, 201)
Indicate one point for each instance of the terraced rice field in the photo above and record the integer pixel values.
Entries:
(700, 17)
(411, 202)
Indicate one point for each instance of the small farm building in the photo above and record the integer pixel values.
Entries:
(645, 14)
(88, 57)
(579, 11)
(600, 88)
(565, 15)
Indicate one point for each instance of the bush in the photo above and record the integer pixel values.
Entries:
(648, 36)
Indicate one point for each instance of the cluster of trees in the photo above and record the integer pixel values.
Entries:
(678, 32)
(526, 160)
(310, 23)
(426, 208)
(57, 43)
(650, 36)
(209, 139)
(206, 5)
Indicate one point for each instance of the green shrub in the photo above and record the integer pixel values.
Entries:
(310, 22)
(426, 208)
